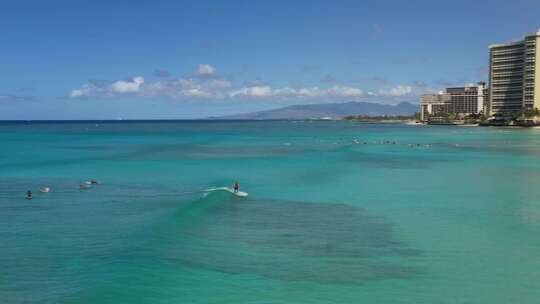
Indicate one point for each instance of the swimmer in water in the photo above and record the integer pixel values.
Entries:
(29, 194)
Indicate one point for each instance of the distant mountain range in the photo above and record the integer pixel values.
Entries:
(334, 110)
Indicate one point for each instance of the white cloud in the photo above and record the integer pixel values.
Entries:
(342, 91)
(209, 88)
(200, 86)
(306, 93)
(410, 92)
(397, 91)
(128, 86)
(172, 88)
(188, 87)
(205, 70)
(77, 93)
(104, 89)
(88, 89)
(254, 91)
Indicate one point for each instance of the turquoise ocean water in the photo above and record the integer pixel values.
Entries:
(415, 215)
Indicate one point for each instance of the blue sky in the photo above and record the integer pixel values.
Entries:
(191, 59)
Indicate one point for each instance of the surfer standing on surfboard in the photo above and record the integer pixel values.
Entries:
(236, 187)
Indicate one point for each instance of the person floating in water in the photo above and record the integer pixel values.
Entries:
(236, 187)
(29, 194)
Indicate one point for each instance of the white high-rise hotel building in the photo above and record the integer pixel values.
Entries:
(514, 75)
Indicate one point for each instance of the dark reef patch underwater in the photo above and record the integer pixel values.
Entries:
(297, 241)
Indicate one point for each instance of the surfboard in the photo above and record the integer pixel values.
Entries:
(45, 190)
(231, 191)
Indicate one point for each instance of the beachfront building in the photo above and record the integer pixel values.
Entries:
(468, 100)
(433, 106)
(514, 76)
(457, 102)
